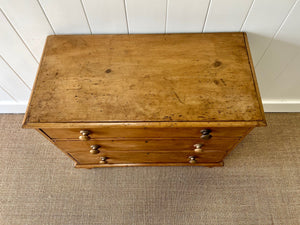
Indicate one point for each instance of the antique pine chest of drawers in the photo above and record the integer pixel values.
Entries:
(146, 99)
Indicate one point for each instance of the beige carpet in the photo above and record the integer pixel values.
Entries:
(259, 184)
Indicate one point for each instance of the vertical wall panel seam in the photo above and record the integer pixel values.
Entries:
(277, 32)
(126, 15)
(19, 35)
(15, 73)
(207, 12)
(166, 20)
(86, 17)
(8, 93)
(46, 16)
(247, 14)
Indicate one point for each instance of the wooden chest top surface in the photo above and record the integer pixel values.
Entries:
(145, 78)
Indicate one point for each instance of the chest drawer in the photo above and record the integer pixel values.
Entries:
(146, 144)
(131, 157)
(96, 133)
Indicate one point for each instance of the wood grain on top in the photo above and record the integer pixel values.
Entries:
(151, 78)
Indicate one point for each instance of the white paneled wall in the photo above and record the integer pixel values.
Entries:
(106, 17)
(12, 83)
(226, 15)
(15, 52)
(146, 16)
(5, 98)
(66, 16)
(30, 22)
(186, 16)
(262, 24)
(283, 49)
(273, 29)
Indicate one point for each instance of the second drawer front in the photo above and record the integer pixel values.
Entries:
(146, 144)
(127, 157)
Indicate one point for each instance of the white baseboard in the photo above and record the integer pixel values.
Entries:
(269, 106)
(280, 105)
(13, 107)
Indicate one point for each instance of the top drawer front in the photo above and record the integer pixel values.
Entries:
(98, 133)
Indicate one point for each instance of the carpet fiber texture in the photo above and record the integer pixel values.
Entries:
(259, 184)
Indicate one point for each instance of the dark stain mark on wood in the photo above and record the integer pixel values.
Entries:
(168, 117)
(178, 97)
(217, 63)
(223, 82)
(131, 86)
(216, 82)
(108, 71)
(167, 79)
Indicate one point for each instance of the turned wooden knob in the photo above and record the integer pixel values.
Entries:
(94, 149)
(206, 134)
(198, 148)
(103, 160)
(192, 159)
(84, 135)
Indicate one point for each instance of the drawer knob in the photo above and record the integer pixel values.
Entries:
(192, 159)
(206, 134)
(94, 149)
(103, 160)
(84, 135)
(198, 148)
